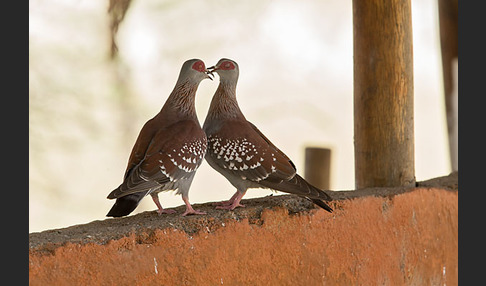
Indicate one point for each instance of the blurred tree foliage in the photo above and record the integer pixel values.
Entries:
(98, 70)
(117, 10)
(76, 87)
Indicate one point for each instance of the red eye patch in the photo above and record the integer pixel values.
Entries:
(227, 66)
(199, 66)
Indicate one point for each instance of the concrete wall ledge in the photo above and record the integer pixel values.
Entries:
(383, 236)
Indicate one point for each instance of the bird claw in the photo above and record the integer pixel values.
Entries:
(165, 211)
(193, 212)
(222, 203)
(229, 207)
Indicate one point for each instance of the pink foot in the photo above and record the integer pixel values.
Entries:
(223, 203)
(189, 209)
(160, 209)
(230, 206)
(165, 211)
(230, 201)
(233, 203)
(193, 212)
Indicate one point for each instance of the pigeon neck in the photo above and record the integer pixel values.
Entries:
(181, 101)
(224, 104)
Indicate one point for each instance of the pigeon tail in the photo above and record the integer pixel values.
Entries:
(299, 186)
(322, 205)
(126, 204)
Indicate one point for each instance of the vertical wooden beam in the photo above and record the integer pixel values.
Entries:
(383, 93)
(448, 25)
(318, 167)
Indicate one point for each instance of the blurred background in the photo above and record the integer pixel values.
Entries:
(89, 98)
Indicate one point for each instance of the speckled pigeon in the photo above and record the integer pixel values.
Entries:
(241, 153)
(168, 150)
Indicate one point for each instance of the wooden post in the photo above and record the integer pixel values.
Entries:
(318, 167)
(383, 93)
(448, 25)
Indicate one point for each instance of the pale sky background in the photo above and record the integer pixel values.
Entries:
(296, 85)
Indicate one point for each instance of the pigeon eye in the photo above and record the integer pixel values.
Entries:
(199, 66)
(228, 66)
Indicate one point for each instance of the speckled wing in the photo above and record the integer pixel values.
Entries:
(173, 153)
(239, 149)
(247, 153)
(284, 167)
(295, 184)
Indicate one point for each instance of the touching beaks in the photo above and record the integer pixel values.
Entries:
(210, 70)
(209, 74)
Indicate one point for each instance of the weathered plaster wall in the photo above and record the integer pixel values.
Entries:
(406, 239)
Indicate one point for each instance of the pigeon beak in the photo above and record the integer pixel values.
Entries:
(210, 70)
(209, 74)
(213, 69)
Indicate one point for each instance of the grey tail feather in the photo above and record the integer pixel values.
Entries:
(299, 186)
(125, 205)
(322, 205)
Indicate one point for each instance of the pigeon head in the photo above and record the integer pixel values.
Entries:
(227, 70)
(194, 70)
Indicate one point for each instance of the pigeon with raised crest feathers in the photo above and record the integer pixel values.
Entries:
(169, 149)
(241, 153)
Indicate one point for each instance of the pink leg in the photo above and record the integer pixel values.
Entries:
(189, 209)
(235, 203)
(228, 202)
(160, 210)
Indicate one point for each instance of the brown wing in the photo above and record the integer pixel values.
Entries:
(284, 161)
(173, 153)
(144, 139)
(297, 184)
(240, 148)
(247, 153)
